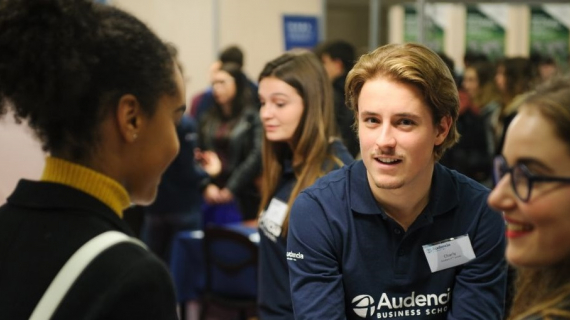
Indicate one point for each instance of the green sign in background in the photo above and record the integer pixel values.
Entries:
(433, 34)
(483, 34)
(548, 36)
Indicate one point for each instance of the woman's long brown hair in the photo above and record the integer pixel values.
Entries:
(311, 141)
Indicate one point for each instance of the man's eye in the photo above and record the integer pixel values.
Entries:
(406, 122)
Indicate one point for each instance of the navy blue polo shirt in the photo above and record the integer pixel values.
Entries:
(274, 297)
(349, 260)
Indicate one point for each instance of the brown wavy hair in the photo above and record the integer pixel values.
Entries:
(311, 141)
(416, 65)
(546, 291)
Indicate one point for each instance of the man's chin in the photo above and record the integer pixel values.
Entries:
(387, 184)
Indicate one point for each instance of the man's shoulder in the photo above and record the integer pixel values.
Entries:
(462, 183)
(455, 192)
(335, 180)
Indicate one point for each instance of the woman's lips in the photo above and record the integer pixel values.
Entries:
(516, 229)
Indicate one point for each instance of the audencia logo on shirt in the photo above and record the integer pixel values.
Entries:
(362, 304)
(402, 306)
(294, 256)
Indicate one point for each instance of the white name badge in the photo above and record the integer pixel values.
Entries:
(273, 217)
(449, 253)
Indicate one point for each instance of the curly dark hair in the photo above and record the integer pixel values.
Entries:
(64, 65)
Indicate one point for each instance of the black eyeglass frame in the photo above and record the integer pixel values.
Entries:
(500, 166)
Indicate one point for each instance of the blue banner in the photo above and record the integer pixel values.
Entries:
(300, 31)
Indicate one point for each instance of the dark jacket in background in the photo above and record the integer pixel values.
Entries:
(344, 117)
(470, 155)
(178, 202)
(244, 163)
(179, 190)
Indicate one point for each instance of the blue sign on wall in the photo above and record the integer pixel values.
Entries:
(300, 31)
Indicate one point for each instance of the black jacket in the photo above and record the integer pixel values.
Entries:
(244, 163)
(344, 117)
(42, 225)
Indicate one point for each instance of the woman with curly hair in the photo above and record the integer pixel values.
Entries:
(533, 189)
(103, 94)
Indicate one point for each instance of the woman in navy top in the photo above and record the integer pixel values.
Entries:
(300, 144)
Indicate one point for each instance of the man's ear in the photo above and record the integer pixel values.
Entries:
(443, 129)
(129, 117)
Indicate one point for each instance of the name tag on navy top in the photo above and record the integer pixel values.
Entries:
(274, 217)
(449, 253)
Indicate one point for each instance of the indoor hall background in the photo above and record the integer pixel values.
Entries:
(200, 28)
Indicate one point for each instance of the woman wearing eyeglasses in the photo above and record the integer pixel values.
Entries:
(533, 192)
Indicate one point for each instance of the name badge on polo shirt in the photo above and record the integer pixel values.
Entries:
(274, 216)
(449, 253)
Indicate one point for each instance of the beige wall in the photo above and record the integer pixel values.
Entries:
(349, 23)
(22, 156)
(254, 25)
(257, 27)
(185, 23)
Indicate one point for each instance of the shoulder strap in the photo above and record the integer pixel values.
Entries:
(73, 268)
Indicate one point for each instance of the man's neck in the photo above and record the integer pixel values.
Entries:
(405, 204)
(405, 210)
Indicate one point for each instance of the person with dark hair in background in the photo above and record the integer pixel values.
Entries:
(532, 192)
(204, 100)
(232, 54)
(470, 154)
(545, 66)
(472, 57)
(478, 82)
(383, 236)
(232, 130)
(103, 94)
(338, 57)
(178, 203)
(514, 78)
(299, 146)
(179, 199)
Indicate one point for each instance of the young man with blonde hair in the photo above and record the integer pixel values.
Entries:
(397, 235)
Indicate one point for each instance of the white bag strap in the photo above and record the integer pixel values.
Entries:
(73, 268)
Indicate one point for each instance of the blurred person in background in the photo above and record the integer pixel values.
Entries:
(470, 155)
(205, 99)
(514, 78)
(232, 130)
(338, 57)
(546, 66)
(479, 83)
(178, 202)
